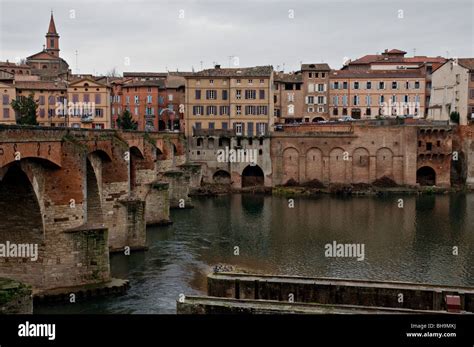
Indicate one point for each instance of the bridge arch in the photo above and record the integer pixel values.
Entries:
(337, 165)
(360, 165)
(314, 164)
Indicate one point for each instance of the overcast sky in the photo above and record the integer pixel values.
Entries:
(167, 34)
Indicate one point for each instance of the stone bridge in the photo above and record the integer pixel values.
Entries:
(79, 194)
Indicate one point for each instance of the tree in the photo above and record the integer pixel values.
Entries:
(25, 108)
(454, 116)
(112, 73)
(126, 122)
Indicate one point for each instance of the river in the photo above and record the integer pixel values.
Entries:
(412, 239)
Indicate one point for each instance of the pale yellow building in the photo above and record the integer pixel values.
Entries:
(238, 100)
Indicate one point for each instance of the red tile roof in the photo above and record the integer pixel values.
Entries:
(408, 73)
(467, 63)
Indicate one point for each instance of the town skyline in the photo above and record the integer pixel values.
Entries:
(252, 34)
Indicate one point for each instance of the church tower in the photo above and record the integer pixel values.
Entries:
(52, 38)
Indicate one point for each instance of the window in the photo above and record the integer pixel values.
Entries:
(369, 85)
(211, 81)
(405, 98)
(238, 94)
(335, 100)
(321, 87)
(394, 85)
(368, 112)
(262, 110)
(291, 97)
(41, 100)
(136, 99)
(99, 112)
(197, 94)
(344, 111)
(224, 95)
(224, 125)
(86, 98)
(170, 97)
(407, 85)
(368, 100)
(198, 110)
(211, 94)
(262, 81)
(211, 125)
(238, 81)
(6, 99)
(250, 110)
(211, 110)
(238, 128)
(149, 99)
(344, 100)
(136, 111)
(127, 100)
(310, 100)
(323, 74)
(224, 110)
(417, 84)
(6, 113)
(238, 110)
(261, 130)
(382, 99)
(250, 81)
(381, 85)
(356, 100)
(429, 146)
(149, 111)
(344, 85)
(149, 89)
(310, 109)
(262, 94)
(356, 85)
(336, 85)
(198, 125)
(394, 98)
(321, 100)
(471, 93)
(250, 94)
(335, 111)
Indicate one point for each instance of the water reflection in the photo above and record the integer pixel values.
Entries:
(413, 243)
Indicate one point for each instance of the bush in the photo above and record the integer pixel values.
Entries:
(454, 116)
(385, 182)
(291, 183)
(313, 184)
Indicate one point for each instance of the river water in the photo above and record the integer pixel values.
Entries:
(404, 240)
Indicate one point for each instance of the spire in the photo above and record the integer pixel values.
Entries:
(52, 26)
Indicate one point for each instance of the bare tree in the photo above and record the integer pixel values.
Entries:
(113, 73)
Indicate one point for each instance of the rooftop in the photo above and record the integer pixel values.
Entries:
(256, 71)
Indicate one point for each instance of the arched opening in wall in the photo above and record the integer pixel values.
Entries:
(426, 176)
(224, 142)
(221, 177)
(252, 176)
(175, 150)
(199, 142)
(318, 119)
(291, 170)
(21, 214)
(210, 143)
(135, 158)
(93, 206)
(161, 125)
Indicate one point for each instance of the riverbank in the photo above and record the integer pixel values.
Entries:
(380, 187)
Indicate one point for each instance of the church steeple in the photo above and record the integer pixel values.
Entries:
(52, 38)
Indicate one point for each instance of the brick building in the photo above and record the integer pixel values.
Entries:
(47, 63)
(230, 98)
(316, 91)
(288, 97)
(46, 94)
(371, 93)
(155, 100)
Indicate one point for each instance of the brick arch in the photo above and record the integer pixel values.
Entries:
(384, 163)
(337, 165)
(291, 168)
(314, 164)
(360, 165)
